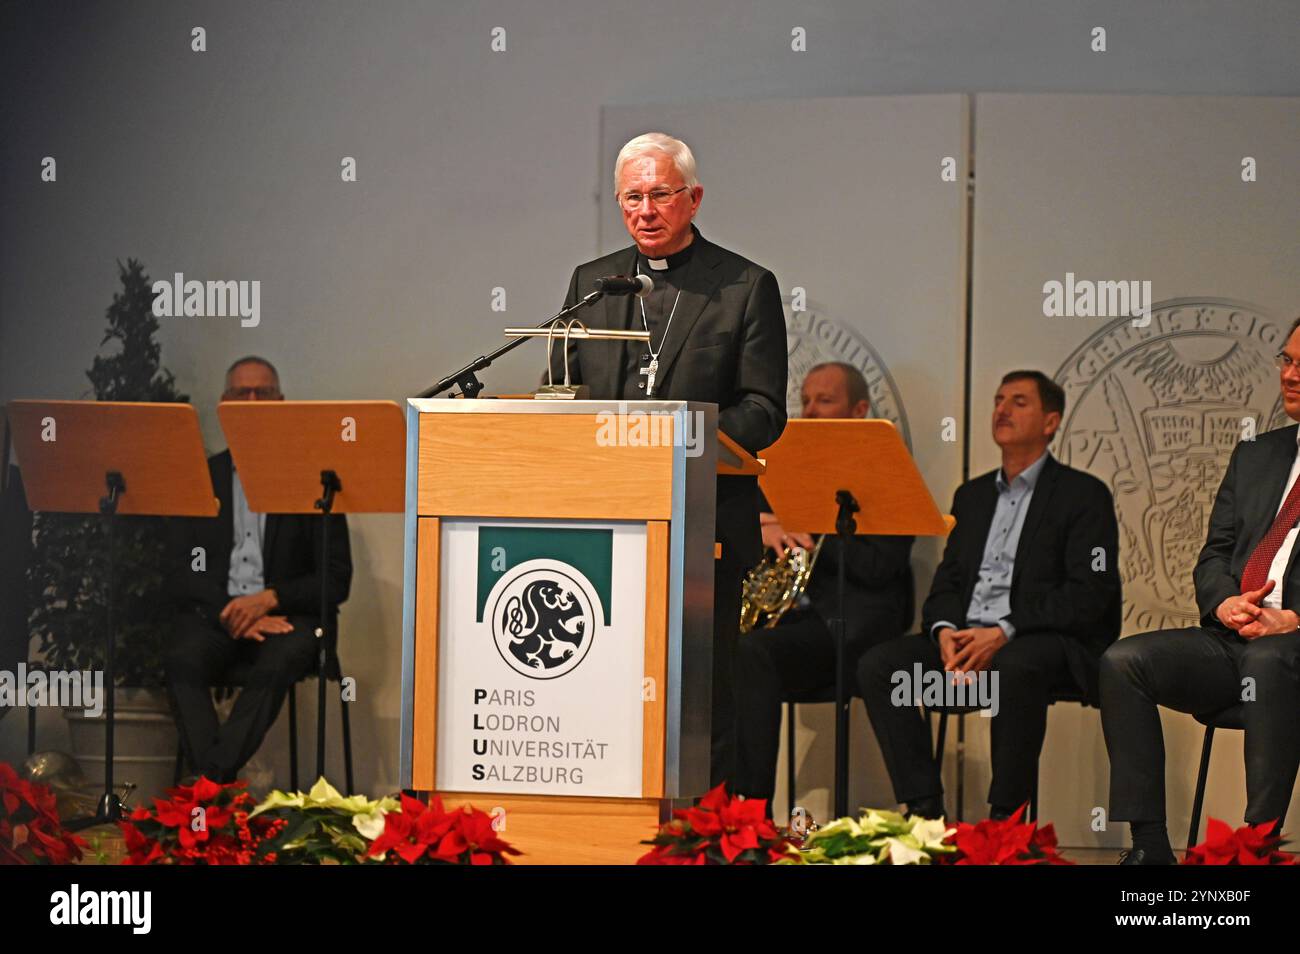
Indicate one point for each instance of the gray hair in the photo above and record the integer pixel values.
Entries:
(661, 144)
(253, 359)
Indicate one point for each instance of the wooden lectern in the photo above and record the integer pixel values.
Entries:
(557, 621)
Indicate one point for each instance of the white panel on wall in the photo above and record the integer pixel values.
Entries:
(1157, 190)
(846, 201)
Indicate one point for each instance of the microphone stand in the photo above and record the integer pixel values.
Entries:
(470, 385)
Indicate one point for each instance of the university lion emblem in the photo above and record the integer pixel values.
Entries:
(813, 337)
(1155, 412)
(543, 619)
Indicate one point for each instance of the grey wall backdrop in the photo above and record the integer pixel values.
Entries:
(476, 170)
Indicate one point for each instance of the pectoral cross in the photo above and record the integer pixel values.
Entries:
(650, 371)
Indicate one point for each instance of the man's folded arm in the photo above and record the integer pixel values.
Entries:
(1080, 604)
(1213, 574)
(186, 582)
(944, 604)
(300, 595)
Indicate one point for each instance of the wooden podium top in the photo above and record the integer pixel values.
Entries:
(552, 459)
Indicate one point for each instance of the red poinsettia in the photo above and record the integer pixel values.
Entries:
(30, 830)
(428, 834)
(720, 830)
(1007, 842)
(206, 823)
(1248, 845)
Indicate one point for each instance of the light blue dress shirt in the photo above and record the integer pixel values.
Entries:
(990, 602)
(246, 551)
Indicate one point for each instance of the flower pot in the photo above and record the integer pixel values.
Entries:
(144, 742)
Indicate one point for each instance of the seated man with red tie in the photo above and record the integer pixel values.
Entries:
(1247, 648)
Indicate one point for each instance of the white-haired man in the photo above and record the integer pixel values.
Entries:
(717, 334)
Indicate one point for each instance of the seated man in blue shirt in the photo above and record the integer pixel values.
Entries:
(247, 592)
(1028, 591)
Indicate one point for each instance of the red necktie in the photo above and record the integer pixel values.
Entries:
(1255, 574)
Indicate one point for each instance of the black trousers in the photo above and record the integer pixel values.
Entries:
(201, 655)
(796, 656)
(1200, 670)
(1029, 669)
(727, 578)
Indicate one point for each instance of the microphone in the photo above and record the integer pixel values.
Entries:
(639, 285)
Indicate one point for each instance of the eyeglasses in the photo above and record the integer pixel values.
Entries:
(631, 201)
(1283, 361)
(247, 394)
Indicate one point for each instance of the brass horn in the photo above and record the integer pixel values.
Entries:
(775, 585)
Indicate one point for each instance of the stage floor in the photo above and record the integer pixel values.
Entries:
(108, 849)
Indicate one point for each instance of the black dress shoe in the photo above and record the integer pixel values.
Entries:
(1140, 856)
(927, 808)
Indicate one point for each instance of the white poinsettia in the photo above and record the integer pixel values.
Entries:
(370, 824)
(931, 832)
(325, 795)
(901, 853)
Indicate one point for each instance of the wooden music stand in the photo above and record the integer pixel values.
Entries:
(819, 475)
(149, 458)
(318, 456)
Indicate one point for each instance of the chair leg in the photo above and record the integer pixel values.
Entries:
(347, 745)
(293, 738)
(1033, 800)
(789, 759)
(1201, 778)
(961, 764)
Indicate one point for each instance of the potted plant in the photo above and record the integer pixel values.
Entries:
(68, 578)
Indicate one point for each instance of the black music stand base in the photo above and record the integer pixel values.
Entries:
(110, 806)
(845, 526)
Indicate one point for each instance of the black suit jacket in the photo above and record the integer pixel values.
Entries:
(290, 556)
(727, 347)
(1054, 588)
(1243, 512)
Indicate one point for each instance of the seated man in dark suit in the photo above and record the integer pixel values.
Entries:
(798, 654)
(247, 589)
(1028, 592)
(1247, 648)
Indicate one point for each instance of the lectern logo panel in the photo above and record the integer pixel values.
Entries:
(544, 618)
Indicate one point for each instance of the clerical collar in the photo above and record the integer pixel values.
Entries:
(675, 260)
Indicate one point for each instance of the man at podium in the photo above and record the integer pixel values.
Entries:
(1028, 590)
(717, 334)
(247, 593)
(798, 654)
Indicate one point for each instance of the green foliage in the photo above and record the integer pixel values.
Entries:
(68, 579)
